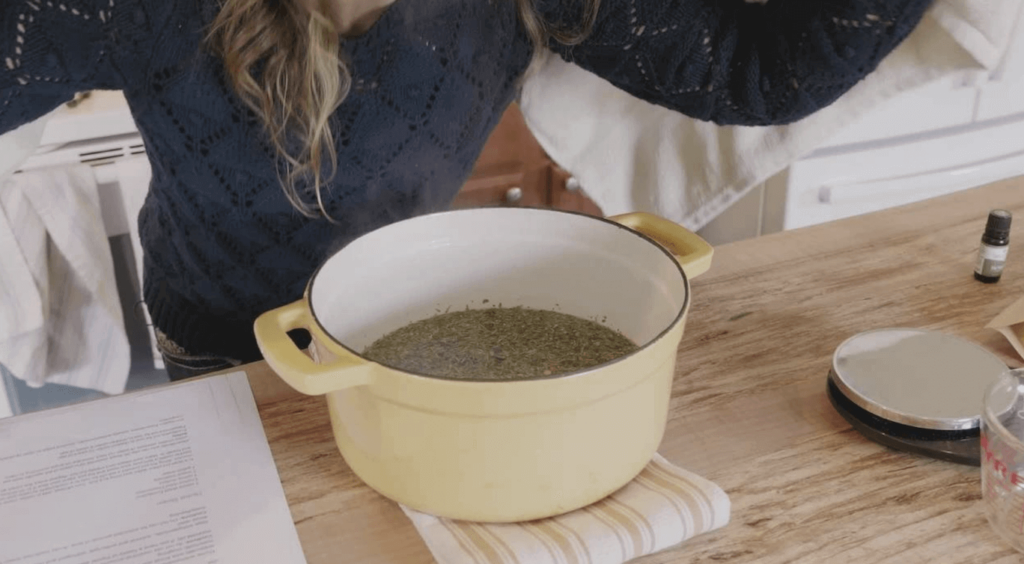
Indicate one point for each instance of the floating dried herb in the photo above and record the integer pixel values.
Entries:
(499, 344)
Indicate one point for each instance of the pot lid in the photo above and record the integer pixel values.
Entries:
(922, 379)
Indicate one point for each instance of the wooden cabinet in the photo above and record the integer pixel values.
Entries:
(513, 170)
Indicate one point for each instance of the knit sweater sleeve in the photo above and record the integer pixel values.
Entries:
(51, 49)
(737, 62)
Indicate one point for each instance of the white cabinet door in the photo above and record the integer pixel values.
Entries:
(941, 104)
(742, 220)
(838, 186)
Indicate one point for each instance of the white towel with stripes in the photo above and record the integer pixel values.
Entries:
(661, 508)
(60, 316)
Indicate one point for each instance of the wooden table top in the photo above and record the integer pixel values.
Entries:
(749, 409)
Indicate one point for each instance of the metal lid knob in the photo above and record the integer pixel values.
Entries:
(514, 195)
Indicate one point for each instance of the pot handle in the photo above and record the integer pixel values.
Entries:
(692, 252)
(296, 368)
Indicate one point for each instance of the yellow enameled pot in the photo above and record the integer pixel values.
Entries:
(483, 450)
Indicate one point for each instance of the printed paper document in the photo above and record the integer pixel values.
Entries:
(180, 474)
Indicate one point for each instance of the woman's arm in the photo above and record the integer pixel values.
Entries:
(49, 50)
(734, 62)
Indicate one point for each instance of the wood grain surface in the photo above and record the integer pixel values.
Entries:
(749, 409)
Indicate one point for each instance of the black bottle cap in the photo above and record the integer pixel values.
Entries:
(998, 225)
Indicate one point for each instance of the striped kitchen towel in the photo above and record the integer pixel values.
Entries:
(659, 509)
(60, 314)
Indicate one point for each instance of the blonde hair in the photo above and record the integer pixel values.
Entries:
(284, 61)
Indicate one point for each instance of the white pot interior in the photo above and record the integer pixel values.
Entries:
(542, 259)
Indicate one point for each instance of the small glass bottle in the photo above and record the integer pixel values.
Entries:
(995, 244)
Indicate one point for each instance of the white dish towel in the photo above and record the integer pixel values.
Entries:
(60, 316)
(661, 508)
(630, 155)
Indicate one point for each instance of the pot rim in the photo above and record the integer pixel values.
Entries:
(642, 348)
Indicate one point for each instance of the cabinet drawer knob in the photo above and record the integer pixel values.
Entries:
(572, 184)
(513, 195)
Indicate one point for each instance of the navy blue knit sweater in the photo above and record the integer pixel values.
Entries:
(432, 78)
